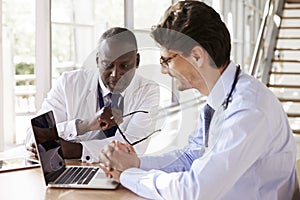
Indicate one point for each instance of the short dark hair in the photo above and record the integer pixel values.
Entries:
(119, 34)
(187, 24)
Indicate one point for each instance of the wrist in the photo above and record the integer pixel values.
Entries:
(81, 126)
(138, 162)
(71, 150)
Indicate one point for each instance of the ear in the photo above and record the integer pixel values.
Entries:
(137, 60)
(198, 54)
(97, 58)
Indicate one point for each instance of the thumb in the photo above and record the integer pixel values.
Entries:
(120, 146)
(124, 147)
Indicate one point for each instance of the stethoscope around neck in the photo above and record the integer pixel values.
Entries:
(228, 97)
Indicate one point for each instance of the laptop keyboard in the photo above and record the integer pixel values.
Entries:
(77, 175)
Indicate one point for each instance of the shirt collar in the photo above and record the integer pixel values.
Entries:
(105, 91)
(222, 87)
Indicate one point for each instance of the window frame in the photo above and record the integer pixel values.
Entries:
(43, 57)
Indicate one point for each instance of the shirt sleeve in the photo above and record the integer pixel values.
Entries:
(210, 176)
(92, 148)
(66, 130)
(56, 101)
(139, 181)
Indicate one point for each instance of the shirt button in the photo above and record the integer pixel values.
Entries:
(87, 157)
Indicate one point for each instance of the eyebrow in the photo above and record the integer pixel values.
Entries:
(126, 59)
(170, 56)
(120, 61)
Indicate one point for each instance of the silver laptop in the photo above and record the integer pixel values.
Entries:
(55, 171)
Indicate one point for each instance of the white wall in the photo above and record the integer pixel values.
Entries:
(1, 86)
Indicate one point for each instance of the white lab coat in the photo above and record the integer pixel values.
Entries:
(74, 96)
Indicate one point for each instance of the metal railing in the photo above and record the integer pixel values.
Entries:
(266, 41)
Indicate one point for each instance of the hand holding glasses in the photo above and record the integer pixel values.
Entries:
(110, 119)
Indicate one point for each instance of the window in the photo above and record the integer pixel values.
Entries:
(18, 61)
(76, 25)
(146, 14)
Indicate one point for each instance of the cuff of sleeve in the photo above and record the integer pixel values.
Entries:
(92, 147)
(29, 140)
(143, 163)
(88, 152)
(140, 182)
(70, 130)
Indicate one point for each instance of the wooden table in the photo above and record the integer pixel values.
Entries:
(28, 184)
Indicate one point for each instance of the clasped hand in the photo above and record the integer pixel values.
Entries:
(117, 157)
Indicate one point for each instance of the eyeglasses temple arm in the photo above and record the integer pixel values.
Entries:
(123, 136)
(142, 111)
(134, 143)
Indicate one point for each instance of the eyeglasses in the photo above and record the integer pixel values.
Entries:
(136, 142)
(164, 62)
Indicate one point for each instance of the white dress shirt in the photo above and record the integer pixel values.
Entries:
(74, 96)
(251, 152)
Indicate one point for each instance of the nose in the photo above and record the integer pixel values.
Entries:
(115, 71)
(164, 70)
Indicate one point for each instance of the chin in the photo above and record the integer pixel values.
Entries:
(181, 87)
(117, 90)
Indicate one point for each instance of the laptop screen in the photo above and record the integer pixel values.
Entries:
(48, 146)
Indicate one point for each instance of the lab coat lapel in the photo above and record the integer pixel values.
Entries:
(91, 99)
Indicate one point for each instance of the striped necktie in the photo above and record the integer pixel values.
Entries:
(116, 102)
(208, 114)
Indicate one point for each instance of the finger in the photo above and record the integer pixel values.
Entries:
(124, 147)
(104, 168)
(107, 172)
(106, 155)
(104, 160)
(120, 146)
(117, 116)
(28, 149)
(115, 174)
(34, 150)
(109, 149)
(130, 148)
(103, 123)
(33, 145)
